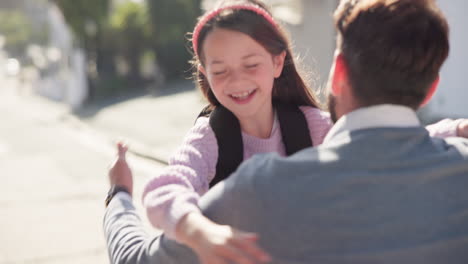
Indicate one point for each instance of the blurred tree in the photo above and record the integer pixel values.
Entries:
(171, 20)
(17, 30)
(154, 30)
(132, 33)
(88, 19)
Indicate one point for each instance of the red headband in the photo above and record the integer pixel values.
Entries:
(208, 16)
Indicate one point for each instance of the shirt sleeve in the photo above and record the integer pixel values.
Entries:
(444, 128)
(129, 243)
(176, 191)
(319, 123)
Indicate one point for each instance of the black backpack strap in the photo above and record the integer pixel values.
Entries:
(228, 134)
(294, 129)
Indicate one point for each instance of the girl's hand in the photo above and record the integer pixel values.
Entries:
(219, 244)
(120, 173)
(462, 129)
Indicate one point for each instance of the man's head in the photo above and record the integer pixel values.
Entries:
(388, 52)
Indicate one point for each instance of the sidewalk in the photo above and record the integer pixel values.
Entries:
(153, 125)
(55, 165)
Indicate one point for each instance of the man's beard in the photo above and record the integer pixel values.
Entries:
(331, 102)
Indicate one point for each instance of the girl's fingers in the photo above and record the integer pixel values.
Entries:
(247, 242)
(214, 260)
(248, 236)
(235, 255)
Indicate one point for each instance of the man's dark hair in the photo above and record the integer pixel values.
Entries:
(393, 49)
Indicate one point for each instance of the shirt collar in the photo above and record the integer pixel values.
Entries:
(384, 115)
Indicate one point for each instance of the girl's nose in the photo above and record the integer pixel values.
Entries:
(236, 76)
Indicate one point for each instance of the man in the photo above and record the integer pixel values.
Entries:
(379, 189)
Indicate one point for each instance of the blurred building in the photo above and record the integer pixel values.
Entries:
(59, 64)
(65, 79)
(311, 26)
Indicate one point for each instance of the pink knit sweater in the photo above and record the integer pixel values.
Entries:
(175, 192)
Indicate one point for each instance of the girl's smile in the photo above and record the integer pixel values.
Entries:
(243, 97)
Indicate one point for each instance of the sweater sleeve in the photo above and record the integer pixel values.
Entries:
(319, 123)
(444, 128)
(176, 191)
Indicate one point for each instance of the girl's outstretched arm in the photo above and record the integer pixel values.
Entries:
(175, 192)
(215, 243)
(462, 129)
(449, 128)
(319, 123)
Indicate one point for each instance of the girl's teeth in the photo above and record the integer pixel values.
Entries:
(241, 95)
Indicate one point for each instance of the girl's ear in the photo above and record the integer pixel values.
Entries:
(201, 69)
(278, 63)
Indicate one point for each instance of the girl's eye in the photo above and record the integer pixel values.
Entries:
(251, 66)
(219, 73)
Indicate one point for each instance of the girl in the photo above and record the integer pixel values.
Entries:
(244, 63)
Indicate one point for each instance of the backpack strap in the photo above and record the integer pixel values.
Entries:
(226, 127)
(294, 128)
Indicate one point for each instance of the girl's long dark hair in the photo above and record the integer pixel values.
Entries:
(289, 87)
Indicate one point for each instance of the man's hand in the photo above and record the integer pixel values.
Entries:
(120, 173)
(219, 244)
(462, 129)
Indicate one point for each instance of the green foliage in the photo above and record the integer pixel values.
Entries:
(131, 32)
(17, 30)
(171, 20)
(131, 28)
(130, 23)
(88, 19)
(85, 17)
(131, 16)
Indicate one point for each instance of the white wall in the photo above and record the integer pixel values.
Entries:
(314, 39)
(452, 98)
(65, 79)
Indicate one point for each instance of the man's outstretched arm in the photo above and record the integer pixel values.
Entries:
(128, 242)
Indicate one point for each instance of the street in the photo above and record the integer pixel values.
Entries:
(54, 179)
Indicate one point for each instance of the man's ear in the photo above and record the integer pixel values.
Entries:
(278, 61)
(431, 91)
(340, 75)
